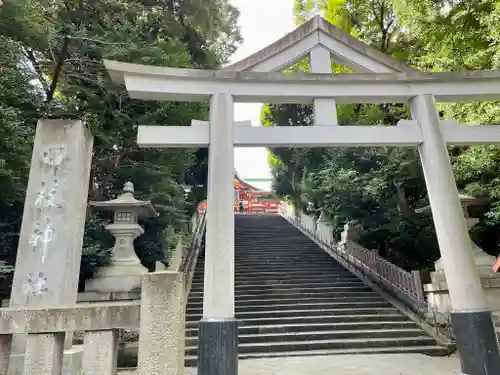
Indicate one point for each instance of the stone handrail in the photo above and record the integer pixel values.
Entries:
(406, 286)
(192, 252)
(159, 315)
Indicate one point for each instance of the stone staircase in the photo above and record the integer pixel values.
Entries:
(293, 299)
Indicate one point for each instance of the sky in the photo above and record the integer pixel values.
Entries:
(262, 22)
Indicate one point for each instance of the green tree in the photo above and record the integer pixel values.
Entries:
(457, 36)
(379, 188)
(63, 43)
(19, 105)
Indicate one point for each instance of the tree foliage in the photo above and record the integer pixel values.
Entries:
(380, 188)
(51, 67)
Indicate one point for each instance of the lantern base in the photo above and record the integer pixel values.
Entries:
(117, 278)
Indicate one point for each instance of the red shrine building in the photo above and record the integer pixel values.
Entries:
(254, 200)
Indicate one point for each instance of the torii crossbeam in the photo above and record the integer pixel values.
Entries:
(406, 134)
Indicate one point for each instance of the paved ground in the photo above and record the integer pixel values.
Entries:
(387, 364)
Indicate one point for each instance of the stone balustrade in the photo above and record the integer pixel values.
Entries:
(192, 251)
(161, 346)
(406, 286)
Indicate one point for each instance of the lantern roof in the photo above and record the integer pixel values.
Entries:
(127, 202)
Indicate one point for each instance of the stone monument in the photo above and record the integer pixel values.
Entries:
(125, 272)
(51, 238)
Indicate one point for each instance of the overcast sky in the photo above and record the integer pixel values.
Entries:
(262, 22)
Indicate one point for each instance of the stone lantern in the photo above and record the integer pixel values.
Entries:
(125, 271)
(437, 290)
(483, 261)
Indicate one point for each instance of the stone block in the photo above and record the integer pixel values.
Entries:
(109, 296)
(159, 266)
(94, 297)
(5, 350)
(72, 362)
(44, 354)
(91, 317)
(100, 353)
(117, 278)
(162, 331)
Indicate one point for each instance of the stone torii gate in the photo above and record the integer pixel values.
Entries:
(381, 80)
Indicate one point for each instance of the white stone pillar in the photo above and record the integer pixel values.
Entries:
(218, 333)
(473, 326)
(325, 110)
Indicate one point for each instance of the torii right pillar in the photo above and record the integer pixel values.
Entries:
(471, 319)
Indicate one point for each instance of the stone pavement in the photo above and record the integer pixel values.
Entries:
(387, 364)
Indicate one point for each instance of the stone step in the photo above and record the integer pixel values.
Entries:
(274, 235)
(290, 284)
(292, 297)
(278, 297)
(274, 292)
(325, 272)
(198, 301)
(277, 238)
(431, 350)
(327, 344)
(316, 319)
(251, 246)
(298, 306)
(331, 279)
(276, 261)
(279, 265)
(321, 335)
(300, 313)
(279, 288)
(334, 277)
(312, 327)
(291, 269)
(258, 248)
(282, 274)
(240, 260)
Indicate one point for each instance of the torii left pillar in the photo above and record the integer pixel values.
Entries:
(218, 329)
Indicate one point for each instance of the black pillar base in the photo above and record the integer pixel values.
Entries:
(218, 347)
(477, 342)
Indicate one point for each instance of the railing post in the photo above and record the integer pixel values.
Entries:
(419, 287)
(162, 327)
(100, 349)
(44, 354)
(5, 350)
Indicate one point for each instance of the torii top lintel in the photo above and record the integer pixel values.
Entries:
(318, 32)
(255, 79)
